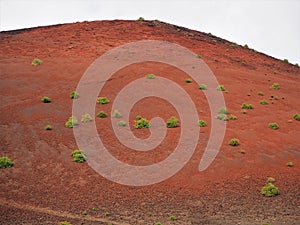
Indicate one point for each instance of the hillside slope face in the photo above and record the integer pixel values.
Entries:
(45, 186)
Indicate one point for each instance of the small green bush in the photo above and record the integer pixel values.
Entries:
(172, 122)
(221, 88)
(72, 122)
(264, 102)
(198, 56)
(222, 117)
(273, 126)
(78, 156)
(74, 95)
(232, 117)
(173, 218)
(46, 99)
(36, 62)
(270, 180)
(86, 118)
(296, 116)
(64, 223)
(269, 190)
(290, 164)
(234, 142)
(243, 63)
(275, 86)
(102, 100)
(223, 111)
(102, 114)
(188, 80)
(158, 223)
(48, 127)
(141, 123)
(122, 123)
(202, 123)
(246, 46)
(138, 117)
(141, 19)
(117, 114)
(260, 93)
(286, 60)
(5, 162)
(107, 213)
(297, 65)
(150, 76)
(202, 87)
(247, 106)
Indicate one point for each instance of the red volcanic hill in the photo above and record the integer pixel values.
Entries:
(45, 186)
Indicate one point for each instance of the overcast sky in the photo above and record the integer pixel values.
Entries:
(269, 26)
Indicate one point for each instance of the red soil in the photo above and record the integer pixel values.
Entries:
(45, 186)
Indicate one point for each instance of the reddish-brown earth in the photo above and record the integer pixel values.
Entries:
(45, 186)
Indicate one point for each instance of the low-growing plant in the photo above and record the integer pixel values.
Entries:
(234, 142)
(86, 118)
(202, 123)
(232, 117)
(36, 62)
(297, 65)
(286, 60)
(102, 100)
(246, 46)
(48, 127)
(173, 218)
(188, 80)
(141, 123)
(202, 87)
(72, 122)
(150, 76)
(247, 106)
(117, 114)
(221, 88)
(74, 95)
(290, 164)
(107, 213)
(296, 116)
(273, 126)
(78, 156)
(46, 99)
(94, 209)
(270, 180)
(260, 93)
(141, 19)
(222, 117)
(223, 111)
(122, 123)
(269, 190)
(198, 56)
(138, 117)
(5, 162)
(172, 122)
(102, 114)
(263, 102)
(243, 63)
(158, 223)
(64, 223)
(275, 86)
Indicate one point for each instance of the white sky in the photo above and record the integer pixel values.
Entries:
(269, 26)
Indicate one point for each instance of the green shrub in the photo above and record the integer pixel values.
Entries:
(5, 162)
(188, 80)
(172, 122)
(260, 93)
(223, 111)
(263, 102)
(64, 223)
(290, 164)
(297, 65)
(48, 127)
(173, 218)
(117, 114)
(86, 118)
(296, 116)
(222, 117)
(198, 56)
(270, 180)
(102, 100)
(275, 86)
(150, 76)
(221, 88)
(247, 106)
(36, 62)
(243, 63)
(122, 123)
(202, 123)
(141, 123)
(107, 213)
(273, 126)
(234, 142)
(72, 122)
(141, 19)
(78, 156)
(102, 114)
(269, 190)
(232, 117)
(74, 95)
(286, 60)
(46, 99)
(246, 46)
(158, 223)
(202, 87)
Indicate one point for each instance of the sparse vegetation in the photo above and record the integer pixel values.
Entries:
(221, 88)
(117, 114)
(260, 93)
(247, 106)
(172, 122)
(246, 46)
(243, 63)
(202, 87)
(232, 117)
(234, 142)
(286, 60)
(122, 123)
(64, 223)
(269, 190)
(198, 56)
(36, 62)
(222, 117)
(275, 86)
(78, 156)
(141, 123)
(150, 76)
(263, 102)
(5, 162)
(158, 223)
(107, 213)
(46, 99)
(188, 80)
(102, 114)
(290, 164)
(74, 95)
(141, 19)
(72, 122)
(273, 126)
(86, 118)
(297, 65)
(48, 127)
(296, 116)
(223, 111)
(173, 218)
(270, 180)
(102, 100)
(202, 123)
